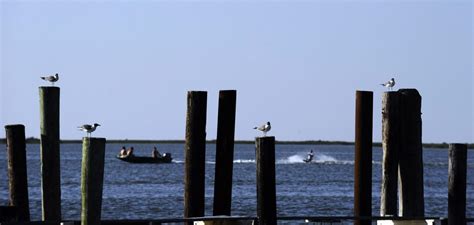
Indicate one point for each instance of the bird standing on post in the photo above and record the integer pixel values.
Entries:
(389, 84)
(89, 128)
(264, 128)
(51, 79)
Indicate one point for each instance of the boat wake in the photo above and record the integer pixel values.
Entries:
(319, 158)
(298, 159)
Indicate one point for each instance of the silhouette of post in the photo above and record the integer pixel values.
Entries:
(266, 190)
(411, 198)
(50, 163)
(224, 153)
(17, 172)
(195, 153)
(92, 179)
(363, 157)
(457, 169)
(391, 147)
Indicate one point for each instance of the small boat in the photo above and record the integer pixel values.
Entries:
(166, 158)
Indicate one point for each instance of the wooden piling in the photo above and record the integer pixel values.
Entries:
(457, 169)
(17, 172)
(411, 195)
(8, 214)
(391, 147)
(363, 157)
(195, 153)
(92, 179)
(50, 163)
(266, 190)
(224, 153)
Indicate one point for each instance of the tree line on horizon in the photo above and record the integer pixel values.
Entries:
(34, 140)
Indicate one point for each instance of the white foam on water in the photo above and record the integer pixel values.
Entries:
(244, 161)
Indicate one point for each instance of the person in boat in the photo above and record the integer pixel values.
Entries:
(310, 156)
(155, 153)
(130, 152)
(123, 152)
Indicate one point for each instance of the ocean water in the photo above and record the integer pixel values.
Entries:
(155, 191)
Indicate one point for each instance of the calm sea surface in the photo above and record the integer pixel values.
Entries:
(154, 191)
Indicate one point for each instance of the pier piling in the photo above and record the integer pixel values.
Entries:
(224, 153)
(457, 169)
(17, 170)
(92, 179)
(50, 154)
(363, 157)
(391, 147)
(411, 196)
(195, 154)
(266, 190)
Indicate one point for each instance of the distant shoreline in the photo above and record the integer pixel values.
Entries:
(309, 142)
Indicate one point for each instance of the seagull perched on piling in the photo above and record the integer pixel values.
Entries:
(88, 128)
(389, 84)
(51, 79)
(264, 128)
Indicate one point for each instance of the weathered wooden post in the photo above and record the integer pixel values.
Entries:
(457, 169)
(92, 179)
(17, 172)
(363, 157)
(195, 153)
(266, 190)
(391, 147)
(224, 153)
(50, 163)
(411, 196)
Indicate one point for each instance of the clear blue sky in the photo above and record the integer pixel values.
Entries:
(128, 65)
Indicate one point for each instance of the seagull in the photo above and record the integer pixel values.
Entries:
(88, 128)
(51, 79)
(264, 128)
(389, 84)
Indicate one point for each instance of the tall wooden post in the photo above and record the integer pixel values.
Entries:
(92, 179)
(195, 153)
(224, 153)
(363, 157)
(266, 189)
(391, 147)
(17, 172)
(411, 198)
(50, 163)
(457, 169)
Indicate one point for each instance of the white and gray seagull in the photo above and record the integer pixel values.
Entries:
(264, 128)
(389, 84)
(51, 79)
(88, 128)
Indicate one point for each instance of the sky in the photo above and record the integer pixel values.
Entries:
(128, 65)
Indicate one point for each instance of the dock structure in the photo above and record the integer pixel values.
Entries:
(50, 154)
(457, 176)
(92, 180)
(391, 148)
(224, 153)
(195, 154)
(17, 171)
(266, 189)
(411, 196)
(363, 157)
(402, 164)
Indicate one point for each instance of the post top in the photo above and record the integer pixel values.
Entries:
(93, 139)
(227, 90)
(49, 87)
(13, 126)
(265, 138)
